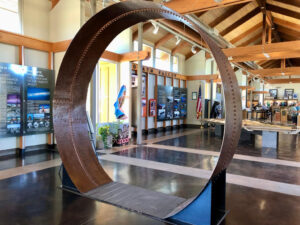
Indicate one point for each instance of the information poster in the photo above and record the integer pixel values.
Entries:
(176, 105)
(25, 100)
(11, 80)
(169, 105)
(183, 102)
(161, 102)
(38, 85)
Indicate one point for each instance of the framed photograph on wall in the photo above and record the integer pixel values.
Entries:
(273, 93)
(288, 93)
(152, 107)
(194, 95)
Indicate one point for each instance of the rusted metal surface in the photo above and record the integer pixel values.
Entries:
(75, 73)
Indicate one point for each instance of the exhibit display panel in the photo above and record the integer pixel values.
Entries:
(171, 103)
(25, 100)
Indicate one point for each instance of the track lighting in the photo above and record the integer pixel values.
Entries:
(193, 49)
(156, 28)
(178, 40)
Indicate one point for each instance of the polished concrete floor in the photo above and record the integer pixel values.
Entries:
(263, 185)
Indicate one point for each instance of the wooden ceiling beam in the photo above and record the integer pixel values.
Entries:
(146, 27)
(239, 22)
(287, 37)
(246, 33)
(283, 11)
(251, 40)
(288, 31)
(289, 49)
(180, 46)
(183, 7)
(290, 2)
(187, 32)
(203, 77)
(283, 81)
(163, 40)
(54, 3)
(288, 71)
(287, 24)
(231, 10)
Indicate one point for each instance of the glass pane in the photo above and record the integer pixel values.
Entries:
(9, 21)
(162, 60)
(10, 5)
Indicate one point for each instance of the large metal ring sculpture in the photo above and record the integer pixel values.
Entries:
(70, 123)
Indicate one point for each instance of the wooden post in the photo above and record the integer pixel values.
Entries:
(50, 136)
(147, 105)
(155, 96)
(172, 82)
(22, 144)
(185, 85)
(270, 35)
(264, 28)
(165, 82)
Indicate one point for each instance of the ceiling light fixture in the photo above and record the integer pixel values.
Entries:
(178, 40)
(266, 55)
(156, 28)
(193, 49)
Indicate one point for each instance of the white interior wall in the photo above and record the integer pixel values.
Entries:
(282, 87)
(36, 18)
(196, 65)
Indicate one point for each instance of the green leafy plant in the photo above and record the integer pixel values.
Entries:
(104, 132)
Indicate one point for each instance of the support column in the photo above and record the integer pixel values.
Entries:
(139, 87)
(211, 87)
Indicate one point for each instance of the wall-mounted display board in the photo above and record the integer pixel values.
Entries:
(25, 100)
(38, 89)
(171, 103)
(11, 100)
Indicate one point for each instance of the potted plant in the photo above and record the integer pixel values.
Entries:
(106, 136)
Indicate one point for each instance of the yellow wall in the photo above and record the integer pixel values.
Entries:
(108, 91)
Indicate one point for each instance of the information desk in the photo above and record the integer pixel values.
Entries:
(269, 131)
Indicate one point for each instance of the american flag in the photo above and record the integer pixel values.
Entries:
(199, 103)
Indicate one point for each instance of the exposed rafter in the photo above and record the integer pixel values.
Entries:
(146, 27)
(228, 13)
(163, 40)
(246, 33)
(288, 31)
(288, 71)
(180, 46)
(283, 81)
(286, 24)
(290, 2)
(251, 40)
(290, 49)
(240, 21)
(183, 7)
(283, 11)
